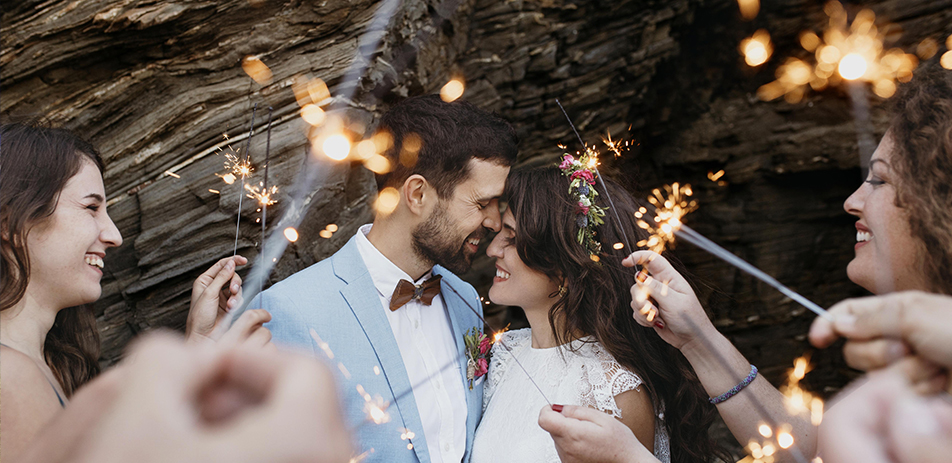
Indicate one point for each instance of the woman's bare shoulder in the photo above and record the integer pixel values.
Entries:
(24, 384)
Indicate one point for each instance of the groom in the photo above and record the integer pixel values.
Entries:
(388, 304)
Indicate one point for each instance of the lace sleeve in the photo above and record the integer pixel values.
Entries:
(500, 360)
(605, 378)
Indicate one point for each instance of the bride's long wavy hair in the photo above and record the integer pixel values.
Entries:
(598, 299)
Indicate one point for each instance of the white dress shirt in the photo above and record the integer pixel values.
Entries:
(427, 344)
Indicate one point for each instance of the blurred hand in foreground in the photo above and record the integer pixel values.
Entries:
(883, 329)
(205, 403)
(885, 419)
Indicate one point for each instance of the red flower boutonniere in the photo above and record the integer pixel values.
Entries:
(478, 347)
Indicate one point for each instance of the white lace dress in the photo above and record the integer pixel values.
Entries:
(509, 430)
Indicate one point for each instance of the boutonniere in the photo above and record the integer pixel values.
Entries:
(477, 354)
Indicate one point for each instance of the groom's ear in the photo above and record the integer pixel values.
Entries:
(417, 193)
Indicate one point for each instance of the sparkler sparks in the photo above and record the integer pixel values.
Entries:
(852, 52)
(670, 207)
(291, 234)
(264, 196)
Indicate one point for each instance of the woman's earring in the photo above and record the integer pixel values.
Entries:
(563, 290)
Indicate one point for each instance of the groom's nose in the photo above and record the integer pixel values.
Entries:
(493, 220)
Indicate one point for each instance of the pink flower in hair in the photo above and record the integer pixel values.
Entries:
(583, 210)
(567, 161)
(584, 174)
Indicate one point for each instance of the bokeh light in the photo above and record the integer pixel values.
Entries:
(452, 90)
(291, 234)
(336, 147)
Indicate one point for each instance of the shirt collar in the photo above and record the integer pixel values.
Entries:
(384, 273)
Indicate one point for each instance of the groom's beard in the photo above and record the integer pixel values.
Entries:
(434, 240)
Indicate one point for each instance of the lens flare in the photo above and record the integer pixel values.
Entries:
(336, 147)
(852, 66)
(452, 90)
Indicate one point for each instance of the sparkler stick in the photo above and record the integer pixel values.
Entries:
(864, 128)
(687, 234)
(608, 195)
(241, 192)
(503, 343)
(267, 160)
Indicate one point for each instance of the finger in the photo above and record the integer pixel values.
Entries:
(246, 324)
(552, 422)
(639, 258)
(587, 414)
(206, 277)
(875, 354)
(913, 370)
(259, 338)
(660, 269)
(642, 311)
(822, 332)
(219, 281)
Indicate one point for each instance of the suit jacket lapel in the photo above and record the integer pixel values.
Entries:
(361, 294)
(462, 319)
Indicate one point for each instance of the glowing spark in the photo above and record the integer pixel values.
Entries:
(852, 66)
(377, 164)
(946, 60)
(769, 449)
(816, 411)
(326, 348)
(291, 234)
(228, 178)
(313, 114)
(258, 193)
(214, 191)
(336, 147)
(376, 370)
(796, 400)
(715, 176)
(619, 246)
(614, 146)
(172, 174)
(325, 234)
(452, 90)
(376, 410)
(366, 149)
(317, 91)
(784, 440)
(361, 457)
(749, 8)
(332, 227)
(256, 69)
(670, 206)
(387, 200)
(765, 430)
(406, 434)
(757, 48)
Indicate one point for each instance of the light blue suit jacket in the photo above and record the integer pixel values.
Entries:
(338, 300)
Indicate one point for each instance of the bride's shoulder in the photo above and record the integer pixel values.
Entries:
(617, 376)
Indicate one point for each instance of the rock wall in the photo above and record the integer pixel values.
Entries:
(156, 84)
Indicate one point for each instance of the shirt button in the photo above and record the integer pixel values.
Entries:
(446, 447)
(438, 385)
(416, 324)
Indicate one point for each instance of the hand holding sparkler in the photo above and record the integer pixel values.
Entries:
(882, 329)
(214, 294)
(658, 281)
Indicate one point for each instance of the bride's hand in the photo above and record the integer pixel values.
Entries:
(665, 301)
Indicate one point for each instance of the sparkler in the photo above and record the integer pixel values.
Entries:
(244, 171)
(594, 166)
(266, 200)
(668, 213)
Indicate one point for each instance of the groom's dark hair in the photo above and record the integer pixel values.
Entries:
(436, 139)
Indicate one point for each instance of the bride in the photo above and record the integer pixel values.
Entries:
(555, 259)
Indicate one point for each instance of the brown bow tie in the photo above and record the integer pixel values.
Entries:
(406, 292)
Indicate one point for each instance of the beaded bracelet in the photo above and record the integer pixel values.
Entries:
(734, 390)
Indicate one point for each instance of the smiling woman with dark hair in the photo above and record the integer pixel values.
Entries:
(55, 235)
(556, 261)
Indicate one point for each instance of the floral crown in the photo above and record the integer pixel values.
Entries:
(588, 215)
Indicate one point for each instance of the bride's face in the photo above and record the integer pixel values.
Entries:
(515, 283)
